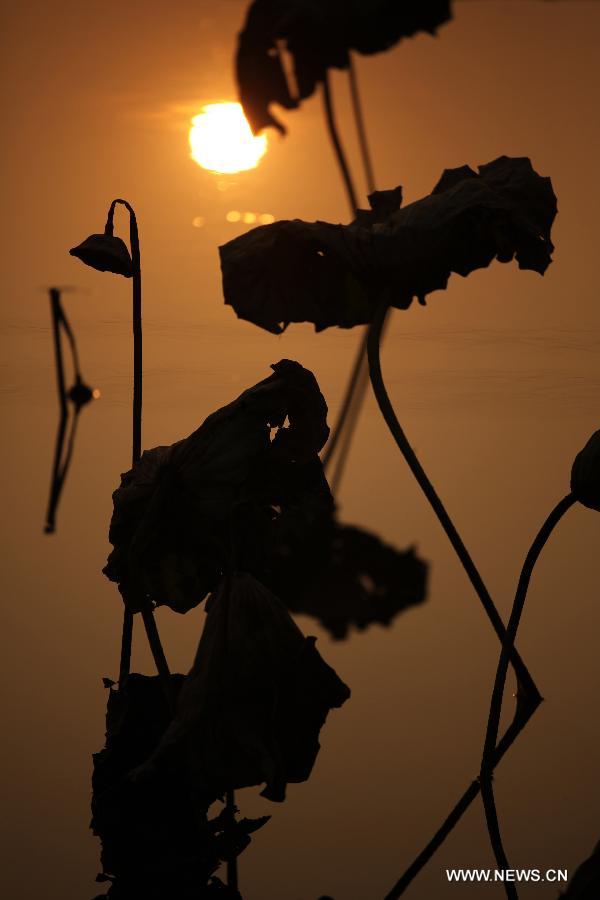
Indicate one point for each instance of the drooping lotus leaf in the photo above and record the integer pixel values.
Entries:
(252, 706)
(318, 36)
(157, 840)
(176, 510)
(294, 271)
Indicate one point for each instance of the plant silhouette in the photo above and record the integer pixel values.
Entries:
(71, 401)
(317, 37)
(240, 514)
(198, 517)
(351, 275)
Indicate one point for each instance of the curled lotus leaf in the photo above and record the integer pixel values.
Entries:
(173, 512)
(329, 274)
(253, 704)
(317, 36)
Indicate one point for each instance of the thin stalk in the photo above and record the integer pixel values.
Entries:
(159, 655)
(501, 672)
(347, 402)
(450, 822)
(350, 423)
(136, 452)
(350, 410)
(525, 680)
(72, 342)
(360, 126)
(337, 146)
(50, 526)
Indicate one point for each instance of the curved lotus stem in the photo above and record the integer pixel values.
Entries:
(337, 146)
(134, 241)
(487, 761)
(504, 745)
(136, 440)
(107, 253)
(360, 125)
(526, 683)
(355, 389)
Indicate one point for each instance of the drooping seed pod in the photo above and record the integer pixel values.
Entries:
(585, 474)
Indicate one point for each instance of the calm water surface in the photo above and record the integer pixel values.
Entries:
(497, 439)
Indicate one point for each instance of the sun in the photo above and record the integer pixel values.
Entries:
(221, 139)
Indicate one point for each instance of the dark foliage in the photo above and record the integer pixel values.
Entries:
(179, 511)
(318, 36)
(157, 840)
(294, 271)
(585, 474)
(253, 704)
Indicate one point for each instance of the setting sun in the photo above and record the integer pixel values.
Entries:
(221, 139)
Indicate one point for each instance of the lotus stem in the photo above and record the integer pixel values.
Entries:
(337, 146)
(360, 125)
(136, 452)
(504, 745)
(387, 410)
(354, 395)
(487, 761)
(347, 402)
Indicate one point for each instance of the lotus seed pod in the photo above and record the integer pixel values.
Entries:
(585, 474)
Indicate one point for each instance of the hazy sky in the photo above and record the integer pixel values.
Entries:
(496, 381)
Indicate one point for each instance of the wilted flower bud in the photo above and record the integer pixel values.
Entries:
(585, 474)
(106, 253)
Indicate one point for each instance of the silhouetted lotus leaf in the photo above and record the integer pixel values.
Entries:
(584, 884)
(157, 841)
(106, 253)
(294, 271)
(585, 474)
(251, 709)
(318, 36)
(172, 521)
(346, 577)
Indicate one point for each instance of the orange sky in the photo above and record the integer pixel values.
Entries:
(496, 381)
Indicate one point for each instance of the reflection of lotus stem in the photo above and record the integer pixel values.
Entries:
(487, 762)
(62, 400)
(525, 680)
(352, 398)
(504, 744)
(337, 146)
(360, 125)
(347, 402)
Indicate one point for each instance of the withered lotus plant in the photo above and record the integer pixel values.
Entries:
(202, 517)
(347, 275)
